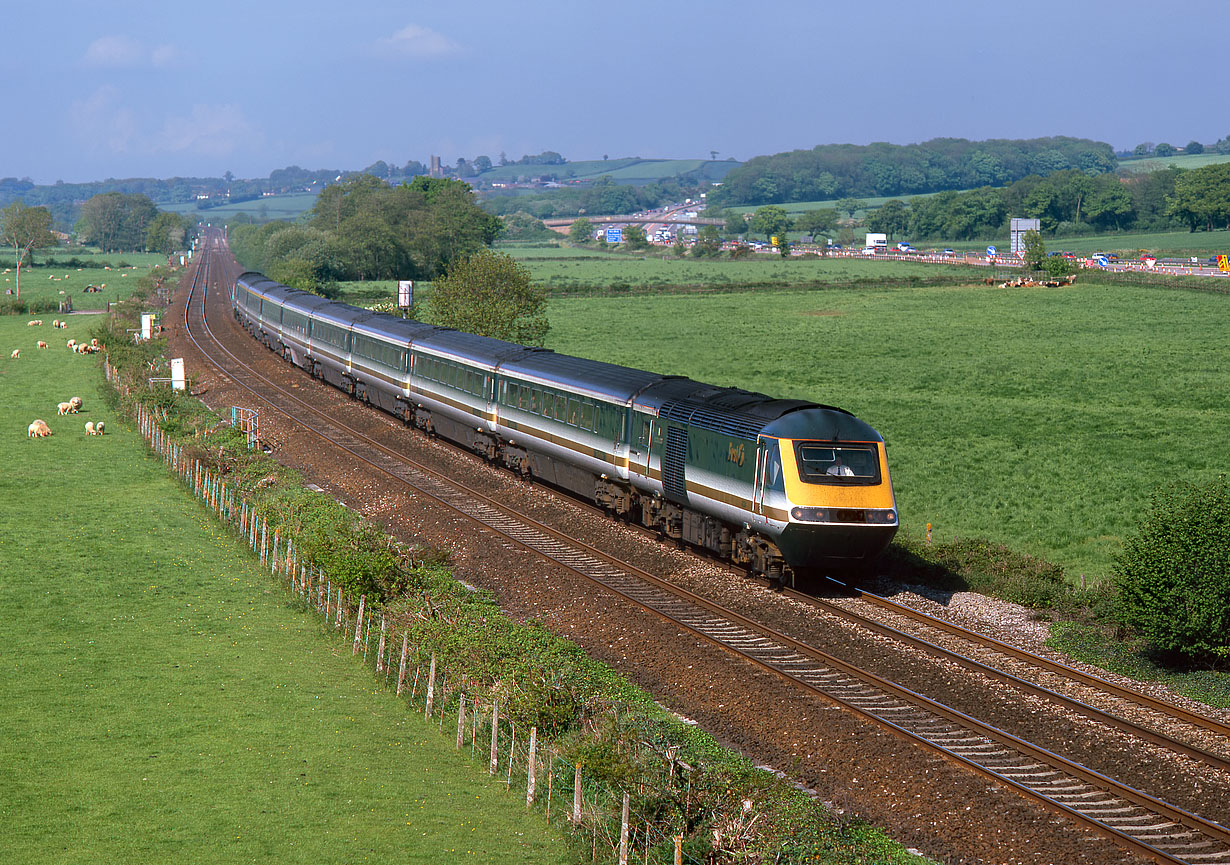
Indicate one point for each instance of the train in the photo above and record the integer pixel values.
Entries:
(784, 488)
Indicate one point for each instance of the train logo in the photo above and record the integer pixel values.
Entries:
(735, 453)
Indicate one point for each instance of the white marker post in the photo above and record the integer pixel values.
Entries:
(178, 380)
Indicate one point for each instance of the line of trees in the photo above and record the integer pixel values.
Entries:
(362, 228)
(838, 170)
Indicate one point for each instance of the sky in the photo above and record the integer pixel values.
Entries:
(98, 89)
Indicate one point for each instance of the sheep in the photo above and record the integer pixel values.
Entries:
(55, 323)
(94, 343)
(38, 429)
(89, 428)
(42, 344)
(31, 323)
(16, 354)
(71, 343)
(99, 427)
(75, 404)
(63, 408)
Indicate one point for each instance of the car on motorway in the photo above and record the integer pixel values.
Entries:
(948, 252)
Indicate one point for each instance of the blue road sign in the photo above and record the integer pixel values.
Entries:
(990, 251)
(1103, 261)
(614, 235)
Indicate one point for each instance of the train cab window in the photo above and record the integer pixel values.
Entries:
(643, 438)
(825, 463)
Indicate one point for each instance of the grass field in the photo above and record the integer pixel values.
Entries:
(289, 206)
(44, 282)
(162, 701)
(1041, 418)
(1183, 160)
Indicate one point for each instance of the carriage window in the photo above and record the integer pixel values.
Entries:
(587, 416)
(574, 412)
(535, 400)
(561, 407)
(821, 463)
(548, 407)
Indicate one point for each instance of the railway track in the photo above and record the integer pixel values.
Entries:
(1145, 824)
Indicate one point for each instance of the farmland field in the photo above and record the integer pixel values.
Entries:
(162, 701)
(289, 206)
(1042, 418)
(54, 283)
(1183, 160)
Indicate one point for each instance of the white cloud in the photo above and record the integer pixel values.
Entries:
(123, 52)
(419, 42)
(210, 130)
(104, 123)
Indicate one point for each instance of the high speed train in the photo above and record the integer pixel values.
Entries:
(785, 488)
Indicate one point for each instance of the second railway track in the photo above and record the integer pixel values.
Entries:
(1145, 824)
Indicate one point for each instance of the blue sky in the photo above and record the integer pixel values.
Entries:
(128, 88)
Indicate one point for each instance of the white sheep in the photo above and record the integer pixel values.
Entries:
(99, 427)
(42, 344)
(31, 323)
(55, 322)
(89, 428)
(38, 429)
(74, 404)
(64, 408)
(94, 342)
(16, 354)
(71, 343)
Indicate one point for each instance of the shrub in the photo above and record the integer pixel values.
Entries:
(1174, 574)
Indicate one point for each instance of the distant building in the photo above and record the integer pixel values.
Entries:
(434, 169)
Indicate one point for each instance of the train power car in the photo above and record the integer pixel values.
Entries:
(785, 488)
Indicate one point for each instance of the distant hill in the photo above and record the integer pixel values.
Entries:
(628, 170)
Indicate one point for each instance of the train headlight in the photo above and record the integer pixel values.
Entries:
(809, 515)
(888, 517)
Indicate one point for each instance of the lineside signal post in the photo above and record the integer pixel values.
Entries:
(405, 295)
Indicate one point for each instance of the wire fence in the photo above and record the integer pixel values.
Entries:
(606, 823)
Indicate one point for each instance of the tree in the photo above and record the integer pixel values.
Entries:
(482, 163)
(708, 242)
(115, 221)
(1145, 148)
(850, 206)
(736, 223)
(166, 233)
(582, 231)
(634, 237)
(1174, 575)
(490, 294)
(1035, 250)
(25, 229)
(818, 222)
(890, 217)
(771, 221)
(1165, 149)
(1202, 197)
(1194, 147)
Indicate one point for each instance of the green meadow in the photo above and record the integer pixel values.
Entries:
(161, 700)
(1041, 418)
(54, 281)
(289, 206)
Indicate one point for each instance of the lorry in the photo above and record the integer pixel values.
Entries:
(876, 242)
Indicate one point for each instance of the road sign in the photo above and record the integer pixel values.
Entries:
(1223, 263)
(405, 293)
(1103, 261)
(990, 252)
(614, 235)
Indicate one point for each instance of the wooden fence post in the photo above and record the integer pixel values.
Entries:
(678, 850)
(576, 798)
(358, 626)
(431, 688)
(338, 623)
(531, 780)
(401, 674)
(380, 647)
(495, 733)
(461, 720)
(623, 833)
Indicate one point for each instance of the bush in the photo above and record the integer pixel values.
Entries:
(1174, 575)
